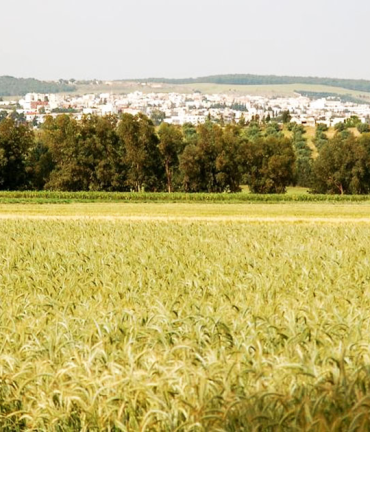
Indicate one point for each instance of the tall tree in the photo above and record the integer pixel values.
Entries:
(343, 166)
(320, 136)
(39, 166)
(72, 172)
(230, 159)
(271, 165)
(101, 150)
(198, 164)
(15, 145)
(171, 146)
(138, 137)
(303, 155)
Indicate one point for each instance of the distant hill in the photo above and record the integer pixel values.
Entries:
(241, 79)
(11, 86)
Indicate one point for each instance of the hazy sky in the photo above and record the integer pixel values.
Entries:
(116, 39)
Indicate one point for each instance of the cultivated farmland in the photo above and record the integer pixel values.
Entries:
(185, 323)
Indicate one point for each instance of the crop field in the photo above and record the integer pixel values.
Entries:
(179, 317)
(187, 212)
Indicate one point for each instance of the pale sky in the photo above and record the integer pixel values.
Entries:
(118, 39)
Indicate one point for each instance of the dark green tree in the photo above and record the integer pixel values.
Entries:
(231, 159)
(273, 129)
(157, 117)
(303, 155)
(140, 143)
(286, 116)
(320, 136)
(189, 132)
(39, 166)
(100, 148)
(171, 146)
(15, 145)
(72, 172)
(252, 131)
(198, 165)
(343, 166)
(363, 128)
(18, 118)
(270, 167)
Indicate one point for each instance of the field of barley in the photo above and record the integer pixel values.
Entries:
(200, 321)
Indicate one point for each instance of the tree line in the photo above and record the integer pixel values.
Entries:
(129, 153)
(12, 86)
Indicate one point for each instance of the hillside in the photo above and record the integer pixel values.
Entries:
(11, 86)
(241, 79)
(125, 87)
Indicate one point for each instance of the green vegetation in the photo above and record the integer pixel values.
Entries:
(296, 195)
(64, 110)
(129, 154)
(271, 168)
(11, 86)
(15, 143)
(321, 137)
(173, 326)
(304, 156)
(343, 165)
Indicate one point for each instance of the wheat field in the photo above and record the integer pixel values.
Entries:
(184, 326)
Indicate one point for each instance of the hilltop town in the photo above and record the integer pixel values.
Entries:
(180, 108)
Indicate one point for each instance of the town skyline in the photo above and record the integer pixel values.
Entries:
(195, 108)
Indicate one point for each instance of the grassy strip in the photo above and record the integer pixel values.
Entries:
(194, 211)
(129, 197)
